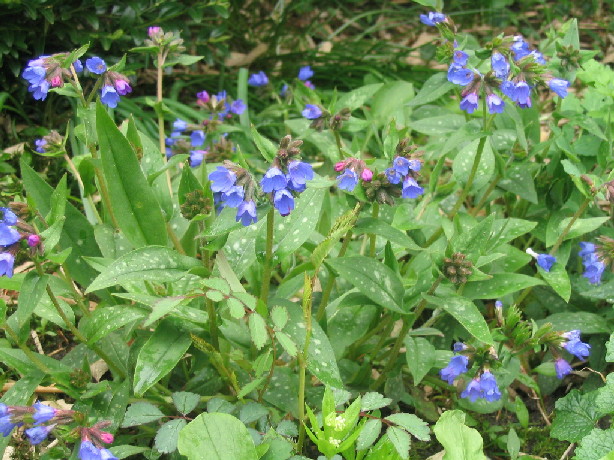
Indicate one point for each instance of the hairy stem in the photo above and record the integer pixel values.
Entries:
(268, 261)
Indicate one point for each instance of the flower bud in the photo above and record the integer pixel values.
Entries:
(340, 166)
(366, 175)
(152, 31)
(34, 240)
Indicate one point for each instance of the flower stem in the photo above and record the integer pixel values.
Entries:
(211, 313)
(161, 137)
(29, 353)
(104, 191)
(302, 357)
(374, 214)
(567, 229)
(268, 261)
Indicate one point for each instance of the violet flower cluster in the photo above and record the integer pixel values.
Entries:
(545, 261)
(483, 385)
(593, 266)
(402, 172)
(351, 171)
(304, 74)
(233, 187)
(10, 238)
(574, 346)
(41, 419)
(46, 72)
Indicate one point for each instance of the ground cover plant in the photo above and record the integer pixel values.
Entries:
(273, 268)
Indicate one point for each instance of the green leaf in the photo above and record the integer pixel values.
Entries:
(136, 209)
(596, 445)
(369, 434)
(105, 320)
(463, 162)
(168, 435)
(216, 437)
(159, 355)
(257, 329)
(185, 402)
(373, 400)
(579, 228)
(381, 228)
(151, 263)
(575, 416)
(466, 313)
(356, 98)
(31, 291)
(266, 148)
(441, 124)
(127, 450)
(287, 343)
(519, 181)
(51, 236)
(412, 424)
(420, 357)
(235, 308)
(390, 101)
(279, 316)
(609, 357)
(459, 441)
(588, 323)
(140, 413)
(513, 444)
(557, 277)
(472, 242)
(401, 441)
(499, 285)
(372, 278)
(437, 85)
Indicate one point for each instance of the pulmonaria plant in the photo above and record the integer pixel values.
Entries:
(591, 260)
(545, 261)
(51, 142)
(11, 238)
(234, 187)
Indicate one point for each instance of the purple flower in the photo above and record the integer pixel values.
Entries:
(222, 179)
(586, 248)
(593, 267)
(299, 172)
(88, 451)
(78, 65)
(459, 75)
(498, 304)
(122, 87)
(489, 387)
(520, 48)
(6, 426)
(43, 413)
(180, 125)
(40, 145)
(8, 235)
(109, 96)
(499, 65)
(38, 434)
(559, 86)
(7, 261)
(310, 85)
(411, 189)
(238, 107)
(469, 102)
(508, 88)
(293, 186)
(258, 79)
(273, 180)
(459, 346)
(401, 165)
(522, 94)
(347, 180)
(460, 58)
(473, 390)
(33, 240)
(284, 90)
(39, 92)
(456, 367)
(96, 65)
(246, 213)
(305, 73)
(546, 261)
(7, 217)
(572, 335)
(233, 197)
(106, 454)
(197, 138)
(562, 368)
(283, 202)
(415, 165)
(495, 103)
(153, 30)
(432, 18)
(538, 57)
(197, 157)
(576, 347)
(34, 74)
(393, 176)
(312, 112)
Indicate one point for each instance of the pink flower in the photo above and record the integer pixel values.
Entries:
(366, 175)
(340, 166)
(34, 240)
(122, 87)
(153, 31)
(106, 437)
(56, 81)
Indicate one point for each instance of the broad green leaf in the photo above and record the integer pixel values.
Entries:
(463, 162)
(505, 230)
(126, 451)
(420, 356)
(159, 355)
(266, 148)
(136, 209)
(216, 437)
(185, 402)
(373, 400)
(575, 416)
(372, 278)
(466, 313)
(412, 424)
(31, 291)
(459, 441)
(579, 228)
(356, 98)
(588, 323)
(105, 320)
(441, 124)
(391, 99)
(140, 413)
(513, 444)
(168, 435)
(609, 357)
(401, 441)
(597, 445)
(257, 329)
(519, 181)
(349, 323)
(151, 263)
(437, 85)
(472, 242)
(557, 277)
(240, 249)
(369, 434)
(381, 228)
(499, 285)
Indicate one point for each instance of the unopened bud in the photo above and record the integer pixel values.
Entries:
(153, 31)
(366, 175)
(34, 240)
(340, 166)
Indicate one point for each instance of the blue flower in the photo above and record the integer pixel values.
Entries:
(538, 57)
(109, 96)
(38, 434)
(495, 103)
(7, 261)
(88, 451)
(299, 172)
(460, 58)
(258, 79)
(522, 93)
(39, 92)
(508, 88)
(8, 235)
(273, 180)
(432, 18)
(283, 202)
(197, 138)
(489, 387)
(6, 426)
(393, 176)
(312, 112)
(401, 165)
(197, 157)
(593, 267)
(576, 347)
(499, 65)
(40, 145)
(43, 413)
(78, 65)
(96, 65)
(562, 368)
(222, 179)
(246, 213)
(284, 90)
(456, 367)
(459, 346)
(238, 107)
(293, 186)
(498, 304)
(586, 248)
(470, 102)
(180, 125)
(305, 73)
(347, 180)
(233, 197)
(546, 261)
(459, 75)
(559, 86)
(34, 74)
(473, 390)
(411, 189)
(520, 48)
(7, 217)
(106, 454)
